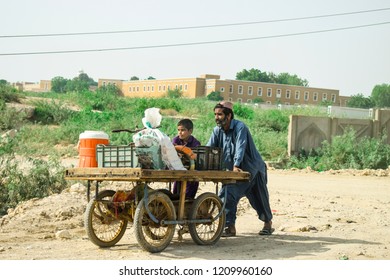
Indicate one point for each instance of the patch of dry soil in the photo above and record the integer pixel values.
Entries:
(317, 216)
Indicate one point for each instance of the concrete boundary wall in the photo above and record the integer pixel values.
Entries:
(307, 133)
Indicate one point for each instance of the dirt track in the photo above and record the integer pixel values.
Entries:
(317, 217)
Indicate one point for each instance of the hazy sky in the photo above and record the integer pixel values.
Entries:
(350, 60)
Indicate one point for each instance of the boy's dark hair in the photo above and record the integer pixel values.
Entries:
(187, 123)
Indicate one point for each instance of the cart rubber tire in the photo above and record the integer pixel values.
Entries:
(103, 228)
(154, 237)
(207, 205)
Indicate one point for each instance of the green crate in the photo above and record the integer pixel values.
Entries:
(116, 156)
(208, 158)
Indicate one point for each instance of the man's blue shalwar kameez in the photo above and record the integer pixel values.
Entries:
(239, 150)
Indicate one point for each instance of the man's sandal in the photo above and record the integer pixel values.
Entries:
(266, 231)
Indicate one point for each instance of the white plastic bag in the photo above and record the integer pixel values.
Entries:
(168, 152)
(151, 136)
(152, 118)
(146, 138)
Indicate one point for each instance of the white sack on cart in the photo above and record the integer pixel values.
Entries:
(168, 152)
(151, 136)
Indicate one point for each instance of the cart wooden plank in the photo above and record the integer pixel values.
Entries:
(149, 175)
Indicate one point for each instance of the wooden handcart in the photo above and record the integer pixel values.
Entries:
(155, 213)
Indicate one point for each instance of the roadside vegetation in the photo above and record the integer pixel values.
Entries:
(52, 133)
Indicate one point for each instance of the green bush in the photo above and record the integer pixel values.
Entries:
(10, 118)
(346, 152)
(174, 93)
(215, 96)
(242, 111)
(51, 113)
(16, 185)
(8, 93)
(273, 120)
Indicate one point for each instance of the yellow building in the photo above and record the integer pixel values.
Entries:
(231, 90)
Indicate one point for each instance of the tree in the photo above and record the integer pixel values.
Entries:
(108, 90)
(3, 82)
(381, 95)
(134, 78)
(287, 79)
(81, 83)
(254, 75)
(215, 96)
(360, 101)
(151, 78)
(85, 78)
(59, 84)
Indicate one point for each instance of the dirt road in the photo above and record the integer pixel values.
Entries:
(317, 216)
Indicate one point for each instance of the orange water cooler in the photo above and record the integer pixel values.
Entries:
(87, 147)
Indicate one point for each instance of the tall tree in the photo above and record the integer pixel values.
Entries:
(254, 75)
(288, 79)
(134, 78)
(380, 95)
(58, 84)
(360, 101)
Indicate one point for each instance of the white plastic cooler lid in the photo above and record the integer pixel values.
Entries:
(92, 134)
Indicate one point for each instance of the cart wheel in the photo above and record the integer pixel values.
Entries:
(152, 236)
(102, 226)
(206, 206)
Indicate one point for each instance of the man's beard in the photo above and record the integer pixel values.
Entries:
(221, 123)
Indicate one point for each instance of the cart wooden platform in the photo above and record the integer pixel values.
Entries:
(154, 213)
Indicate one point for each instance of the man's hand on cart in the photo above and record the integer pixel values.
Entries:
(237, 169)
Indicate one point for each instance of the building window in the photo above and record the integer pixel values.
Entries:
(334, 98)
(239, 100)
(297, 94)
(231, 89)
(269, 92)
(230, 99)
(324, 96)
(159, 88)
(315, 96)
(163, 87)
(268, 103)
(148, 88)
(250, 90)
(240, 89)
(181, 87)
(185, 87)
(129, 89)
(152, 88)
(259, 91)
(286, 103)
(169, 87)
(278, 93)
(249, 101)
(144, 88)
(176, 86)
(306, 96)
(222, 89)
(104, 84)
(288, 94)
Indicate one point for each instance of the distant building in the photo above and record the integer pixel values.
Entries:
(231, 90)
(42, 86)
